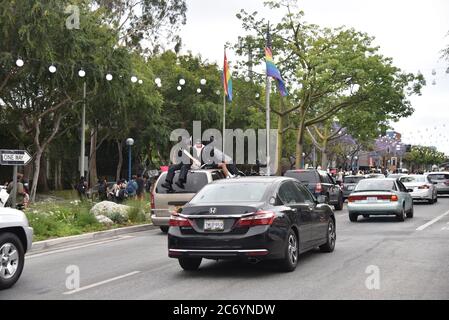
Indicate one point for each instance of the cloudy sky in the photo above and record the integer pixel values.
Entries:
(412, 32)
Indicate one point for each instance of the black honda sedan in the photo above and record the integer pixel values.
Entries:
(252, 218)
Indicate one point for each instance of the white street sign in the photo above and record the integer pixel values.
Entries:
(14, 157)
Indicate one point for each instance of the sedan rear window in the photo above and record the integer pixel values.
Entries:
(231, 192)
(303, 176)
(195, 182)
(411, 179)
(375, 185)
(435, 177)
(352, 179)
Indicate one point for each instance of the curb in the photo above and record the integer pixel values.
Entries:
(50, 244)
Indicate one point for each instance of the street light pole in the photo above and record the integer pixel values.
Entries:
(83, 131)
(130, 143)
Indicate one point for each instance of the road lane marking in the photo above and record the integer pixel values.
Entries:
(428, 224)
(37, 255)
(101, 283)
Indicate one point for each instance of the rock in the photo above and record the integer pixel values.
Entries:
(110, 209)
(104, 220)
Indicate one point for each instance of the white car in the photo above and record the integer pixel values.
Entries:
(15, 240)
(422, 186)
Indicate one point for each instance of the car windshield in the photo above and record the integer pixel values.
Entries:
(303, 176)
(375, 185)
(195, 182)
(231, 192)
(352, 179)
(411, 179)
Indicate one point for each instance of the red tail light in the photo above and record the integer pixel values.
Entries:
(393, 198)
(178, 221)
(318, 188)
(153, 205)
(424, 187)
(261, 218)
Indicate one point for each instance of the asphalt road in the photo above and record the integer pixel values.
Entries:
(411, 264)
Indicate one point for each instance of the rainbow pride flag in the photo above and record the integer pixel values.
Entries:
(227, 80)
(273, 71)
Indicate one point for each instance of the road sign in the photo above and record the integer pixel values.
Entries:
(14, 157)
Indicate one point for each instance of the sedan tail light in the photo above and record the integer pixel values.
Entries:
(260, 218)
(178, 221)
(394, 198)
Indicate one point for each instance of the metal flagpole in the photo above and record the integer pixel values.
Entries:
(224, 123)
(267, 98)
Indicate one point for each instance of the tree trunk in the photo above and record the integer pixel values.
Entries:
(120, 160)
(93, 175)
(300, 141)
(43, 178)
(280, 145)
(37, 166)
(324, 159)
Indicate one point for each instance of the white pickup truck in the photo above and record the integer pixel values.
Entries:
(15, 240)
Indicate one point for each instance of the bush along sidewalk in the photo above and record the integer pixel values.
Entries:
(69, 218)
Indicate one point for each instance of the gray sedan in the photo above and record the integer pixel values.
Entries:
(380, 197)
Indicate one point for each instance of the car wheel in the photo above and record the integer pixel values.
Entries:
(339, 205)
(164, 229)
(290, 260)
(329, 246)
(401, 216)
(12, 259)
(190, 264)
(353, 217)
(436, 198)
(411, 213)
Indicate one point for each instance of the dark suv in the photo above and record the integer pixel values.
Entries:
(320, 183)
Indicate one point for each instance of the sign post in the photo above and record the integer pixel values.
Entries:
(14, 158)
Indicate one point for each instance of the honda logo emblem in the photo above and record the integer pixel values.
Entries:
(213, 210)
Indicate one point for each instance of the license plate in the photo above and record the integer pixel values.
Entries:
(213, 225)
(371, 199)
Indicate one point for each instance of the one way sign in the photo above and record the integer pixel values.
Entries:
(14, 157)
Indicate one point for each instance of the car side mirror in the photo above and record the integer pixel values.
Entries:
(321, 199)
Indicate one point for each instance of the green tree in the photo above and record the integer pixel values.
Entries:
(332, 70)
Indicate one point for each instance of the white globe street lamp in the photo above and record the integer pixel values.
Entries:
(182, 82)
(19, 63)
(82, 73)
(158, 80)
(179, 88)
(140, 81)
(109, 77)
(198, 90)
(203, 82)
(134, 79)
(52, 69)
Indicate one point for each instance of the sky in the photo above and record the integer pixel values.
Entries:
(411, 32)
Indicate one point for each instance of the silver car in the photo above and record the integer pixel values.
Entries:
(15, 240)
(378, 197)
(422, 186)
(441, 181)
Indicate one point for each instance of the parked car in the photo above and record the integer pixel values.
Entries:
(380, 197)
(422, 186)
(441, 181)
(15, 240)
(251, 218)
(349, 183)
(164, 202)
(320, 183)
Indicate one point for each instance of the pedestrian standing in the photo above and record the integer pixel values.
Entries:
(103, 190)
(81, 187)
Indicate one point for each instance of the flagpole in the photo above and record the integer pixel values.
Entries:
(267, 99)
(224, 124)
